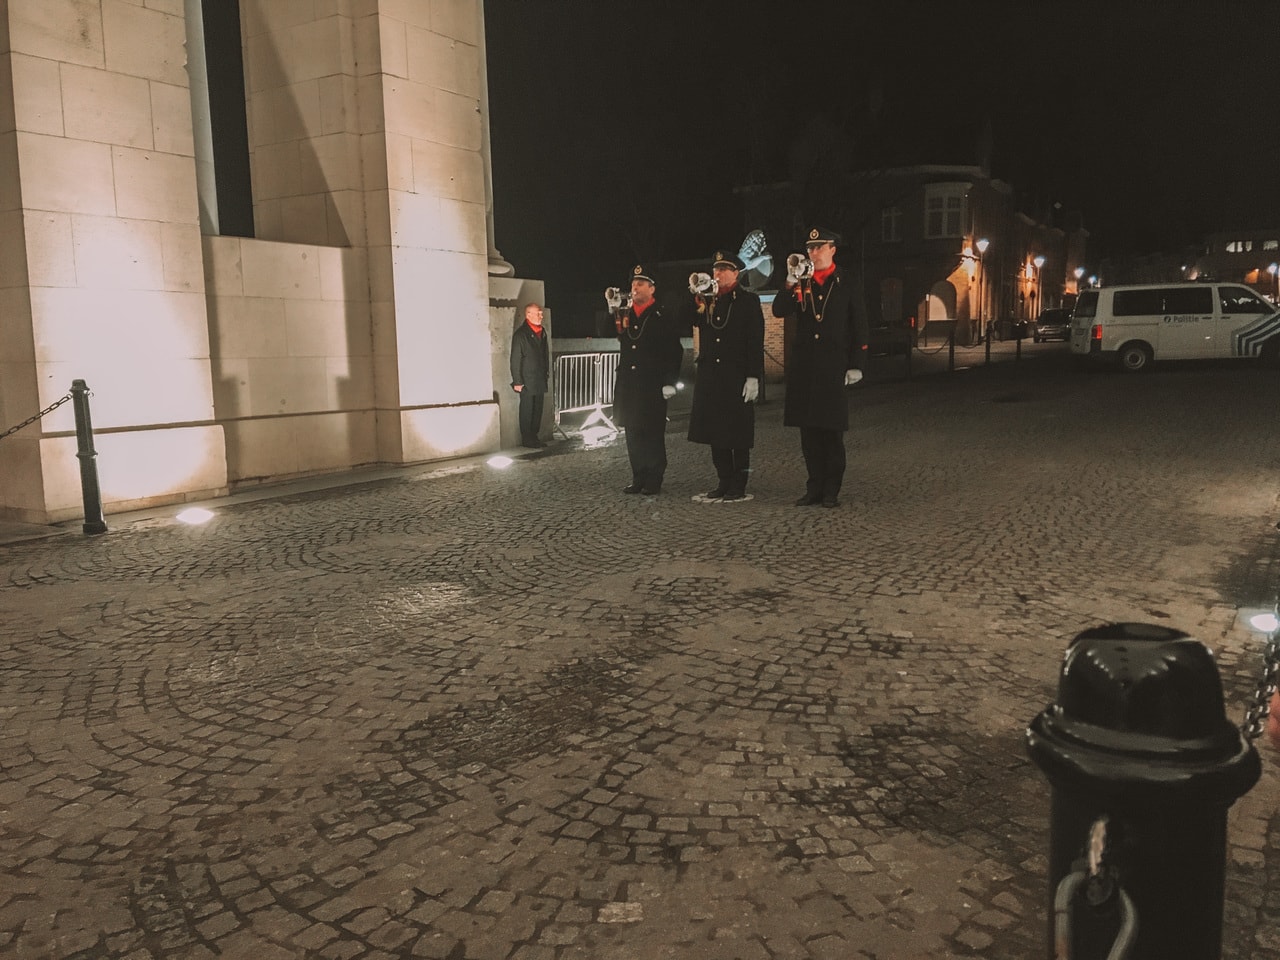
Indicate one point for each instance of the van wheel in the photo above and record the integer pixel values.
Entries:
(1135, 356)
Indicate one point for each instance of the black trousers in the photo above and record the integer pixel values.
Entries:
(647, 449)
(824, 459)
(732, 467)
(530, 415)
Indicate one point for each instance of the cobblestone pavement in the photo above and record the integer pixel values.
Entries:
(478, 714)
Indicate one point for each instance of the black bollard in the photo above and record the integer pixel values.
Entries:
(1138, 749)
(88, 457)
(988, 347)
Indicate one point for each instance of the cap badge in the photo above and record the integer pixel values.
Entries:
(638, 270)
(813, 234)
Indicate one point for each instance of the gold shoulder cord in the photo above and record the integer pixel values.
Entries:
(711, 317)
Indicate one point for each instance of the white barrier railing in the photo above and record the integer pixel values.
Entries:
(584, 382)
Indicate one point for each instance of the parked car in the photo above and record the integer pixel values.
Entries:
(1053, 324)
(1005, 328)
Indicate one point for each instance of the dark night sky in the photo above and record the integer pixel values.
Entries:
(1156, 126)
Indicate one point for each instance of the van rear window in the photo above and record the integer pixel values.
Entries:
(1086, 305)
(1157, 301)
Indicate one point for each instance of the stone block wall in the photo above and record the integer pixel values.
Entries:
(104, 184)
(292, 344)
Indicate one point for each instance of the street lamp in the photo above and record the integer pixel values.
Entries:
(1274, 270)
(1039, 287)
(982, 245)
(1079, 272)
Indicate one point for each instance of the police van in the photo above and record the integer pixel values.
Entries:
(1136, 325)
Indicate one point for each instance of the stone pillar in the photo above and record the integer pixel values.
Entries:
(422, 148)
(99, 193)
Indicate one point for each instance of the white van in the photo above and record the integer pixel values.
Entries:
(1174, 321)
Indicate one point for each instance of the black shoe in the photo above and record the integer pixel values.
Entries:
(718, 493)
(734, 495)
(633, 488)
(830, 502)
(652, 491)
(808, 500)
(530, 445)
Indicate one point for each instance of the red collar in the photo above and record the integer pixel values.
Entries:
(821, 276)
(535, 328)
(642, 309)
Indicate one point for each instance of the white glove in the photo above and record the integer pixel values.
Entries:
(851, 377)
(668, 393)
(750, 390)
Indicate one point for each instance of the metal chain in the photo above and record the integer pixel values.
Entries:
(1255, 718)
(49, 409)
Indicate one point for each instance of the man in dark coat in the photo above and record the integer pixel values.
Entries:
(530, 368)
(649, 355)
(827, 351)
(730, 366)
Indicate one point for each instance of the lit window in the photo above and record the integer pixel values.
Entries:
(1239, 246)
(1271, 244)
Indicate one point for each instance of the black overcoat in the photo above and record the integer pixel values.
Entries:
(830, 337)
(530, 360)
(730, 349)
(649, 355)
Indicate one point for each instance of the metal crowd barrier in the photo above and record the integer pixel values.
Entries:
(584, 383)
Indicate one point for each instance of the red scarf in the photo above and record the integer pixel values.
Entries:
(535, 327)
(821, 276)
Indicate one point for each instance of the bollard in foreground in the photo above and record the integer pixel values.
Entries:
(90, 493)
(1143, 765)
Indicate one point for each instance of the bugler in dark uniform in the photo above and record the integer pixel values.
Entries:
(649, 355)
(730, 366)
(827, 351)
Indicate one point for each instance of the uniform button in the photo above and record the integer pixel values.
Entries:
(816, 336)
(633, 366)
(717, 339)
(717, 359)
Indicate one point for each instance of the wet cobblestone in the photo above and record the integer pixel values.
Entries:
(473, 714)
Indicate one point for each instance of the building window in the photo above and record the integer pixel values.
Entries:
(944, 210)
(890, 224)
(1271, 244)
(1239, 246)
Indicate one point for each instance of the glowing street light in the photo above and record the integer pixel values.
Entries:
(1274, 270)
(982, 245)
(1038, 260)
